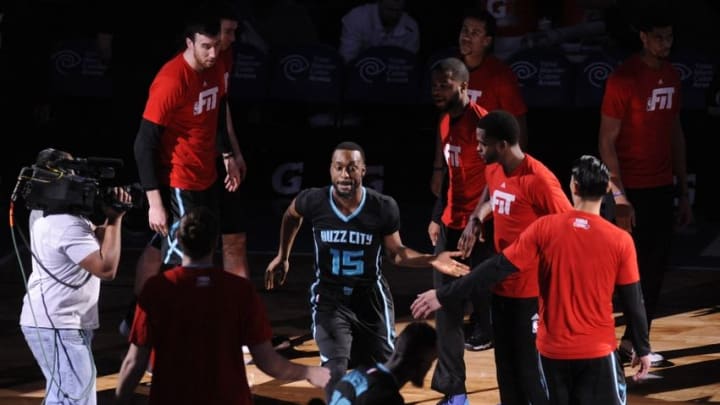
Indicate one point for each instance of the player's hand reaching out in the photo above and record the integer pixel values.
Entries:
(318, 376)
(277, 265)
(444, 263)
(425, 304)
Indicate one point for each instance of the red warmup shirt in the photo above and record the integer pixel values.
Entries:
(647, 101)
(518, 199)
(494, 86)
(466, 169)
(186, 103)
(197, 321)
(578, 259)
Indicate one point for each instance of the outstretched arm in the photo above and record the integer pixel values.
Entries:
(289, 228)
(483, 275)
(273, 364)
(401, 255)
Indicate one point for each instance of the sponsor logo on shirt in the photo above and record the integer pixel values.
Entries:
(660, 99)
(207, 101)
(452, 155)
(475, 95)
(581, 223)
(502, 201)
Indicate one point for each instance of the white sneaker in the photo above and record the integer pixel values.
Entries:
(627, 354)
(656, 359)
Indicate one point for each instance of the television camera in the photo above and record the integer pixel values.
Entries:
(60, 184)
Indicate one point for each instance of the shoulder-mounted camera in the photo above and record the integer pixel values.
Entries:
(59, 183)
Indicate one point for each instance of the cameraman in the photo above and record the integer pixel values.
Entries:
(60, 309)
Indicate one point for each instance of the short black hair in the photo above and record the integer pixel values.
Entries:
(500, 125)
(198, 232)
(454, 66)
(349, 145)
(591, 177)
(480, 14)
(659, 15)
(204, 21)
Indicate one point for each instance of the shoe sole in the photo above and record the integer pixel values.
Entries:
(478, 348)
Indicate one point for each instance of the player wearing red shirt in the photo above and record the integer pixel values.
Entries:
(463, 164)
(520, 190)
(186, 102)
(584, 326)
(580, 260)
(182, 129)
(647, 102)
(642, 142)
(456, 151)
(234, 220)
(492, 84)
(196, 318)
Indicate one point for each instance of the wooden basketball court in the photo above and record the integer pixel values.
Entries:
(687, 333)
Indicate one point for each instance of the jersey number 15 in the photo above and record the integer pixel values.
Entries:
(347, 262)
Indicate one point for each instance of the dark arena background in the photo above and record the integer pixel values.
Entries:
(291, 104)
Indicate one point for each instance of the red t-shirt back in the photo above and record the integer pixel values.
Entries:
(578, 259)
(197, 321)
